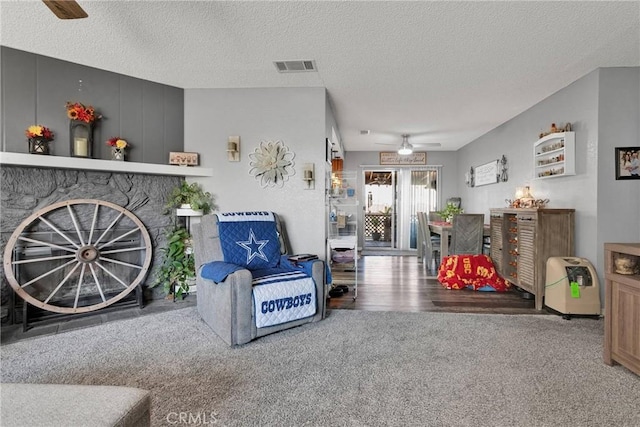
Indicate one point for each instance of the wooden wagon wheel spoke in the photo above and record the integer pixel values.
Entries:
(63, 235)
(75, 224)
(50, 269)
(108, 229)
(49, 258)
(51, 245)
(126, 264)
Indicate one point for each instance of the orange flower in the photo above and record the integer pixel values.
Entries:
(36, 131)
(77, 111)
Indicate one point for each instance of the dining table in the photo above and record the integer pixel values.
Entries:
(443, 229)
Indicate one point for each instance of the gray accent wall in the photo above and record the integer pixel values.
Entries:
(297, 117)
(36, 88)
(604, 110)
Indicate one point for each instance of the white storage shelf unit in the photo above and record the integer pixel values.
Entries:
(554, 155)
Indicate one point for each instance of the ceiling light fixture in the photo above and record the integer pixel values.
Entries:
(405, 147)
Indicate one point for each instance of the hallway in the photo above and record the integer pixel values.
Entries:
(401, 283)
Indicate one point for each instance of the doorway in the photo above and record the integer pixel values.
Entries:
(393, 197)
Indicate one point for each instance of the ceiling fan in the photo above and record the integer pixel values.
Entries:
(66, 9)
(406, 147)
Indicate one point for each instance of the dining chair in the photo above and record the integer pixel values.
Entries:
(467, 234)
(426, 251)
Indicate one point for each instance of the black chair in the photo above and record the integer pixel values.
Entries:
(467, 234)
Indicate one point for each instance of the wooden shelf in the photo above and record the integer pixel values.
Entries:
(62, 162)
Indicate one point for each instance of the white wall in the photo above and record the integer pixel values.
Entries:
(353, 160)
(450, 178)
(603, 108)
(618, 207)
(296, 116)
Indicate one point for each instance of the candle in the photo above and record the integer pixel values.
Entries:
(80, 147)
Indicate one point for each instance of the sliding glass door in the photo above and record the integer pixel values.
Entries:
(393, 197)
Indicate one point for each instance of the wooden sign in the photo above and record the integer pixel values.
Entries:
(183, 159)
(393, 158)
(487, 173)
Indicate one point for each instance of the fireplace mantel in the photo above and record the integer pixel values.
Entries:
(35, 160)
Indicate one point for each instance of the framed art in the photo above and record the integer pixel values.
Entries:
(486, 174)
(627, 162)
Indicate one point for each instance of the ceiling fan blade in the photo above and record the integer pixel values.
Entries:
(427, 144)
(66, 9)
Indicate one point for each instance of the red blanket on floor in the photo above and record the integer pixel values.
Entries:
(470, 271)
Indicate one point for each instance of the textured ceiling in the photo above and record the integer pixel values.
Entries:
(443, 72)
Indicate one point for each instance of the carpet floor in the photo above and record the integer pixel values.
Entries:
(354, 368)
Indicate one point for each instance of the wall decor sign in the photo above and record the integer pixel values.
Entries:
(393, 158)
(627, 162)
(487, 173)
(183, 159)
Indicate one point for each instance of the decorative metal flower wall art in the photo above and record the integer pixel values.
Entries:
(272, 163)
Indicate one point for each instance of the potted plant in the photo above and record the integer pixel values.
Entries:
(190, 200)
(178, 265)
(449, 211)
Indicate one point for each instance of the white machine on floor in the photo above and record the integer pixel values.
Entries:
(572, 286)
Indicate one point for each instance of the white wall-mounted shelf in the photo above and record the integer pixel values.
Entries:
(554, 155)
(61, 162)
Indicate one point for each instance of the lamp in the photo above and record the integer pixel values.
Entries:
(233, 149)
(308, 175)
(405, 147)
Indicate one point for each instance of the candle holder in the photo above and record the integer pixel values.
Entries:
(81, 139)
(307, 175)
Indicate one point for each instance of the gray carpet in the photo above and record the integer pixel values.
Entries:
(353, 369)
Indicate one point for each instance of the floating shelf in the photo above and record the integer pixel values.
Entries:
(554, 155)
(62, 162)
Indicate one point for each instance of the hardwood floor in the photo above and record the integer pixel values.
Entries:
(401, 283)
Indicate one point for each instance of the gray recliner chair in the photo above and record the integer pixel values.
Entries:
(228, 307)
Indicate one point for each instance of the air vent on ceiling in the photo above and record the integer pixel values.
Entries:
(295, 66)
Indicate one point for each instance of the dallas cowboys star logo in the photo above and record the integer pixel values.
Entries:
(254, 247)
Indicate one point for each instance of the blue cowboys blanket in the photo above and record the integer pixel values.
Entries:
(280, 296)
(249, 239)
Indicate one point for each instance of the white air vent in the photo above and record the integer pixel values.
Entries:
(295, 66)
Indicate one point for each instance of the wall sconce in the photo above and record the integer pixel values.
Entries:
(233, 149)
(308, 175)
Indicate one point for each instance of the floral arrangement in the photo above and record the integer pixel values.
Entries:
(40, 131)
(117, 142)
(77, 111)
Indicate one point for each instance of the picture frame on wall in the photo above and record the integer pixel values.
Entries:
(627, 162)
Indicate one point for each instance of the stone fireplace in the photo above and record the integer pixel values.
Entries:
(25, 190)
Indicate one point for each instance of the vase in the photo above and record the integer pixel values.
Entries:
(117, 153)
(81, 138)
(38, 146)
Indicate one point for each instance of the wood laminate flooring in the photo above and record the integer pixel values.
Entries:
(401, 283)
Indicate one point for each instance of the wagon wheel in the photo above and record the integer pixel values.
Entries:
(77, 256)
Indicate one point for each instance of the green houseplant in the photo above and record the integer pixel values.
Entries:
(192, 195)
(449, 211)
(178, 265)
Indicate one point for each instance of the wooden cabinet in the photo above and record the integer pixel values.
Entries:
(523, 239)
(554, 155)
(622, 305)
